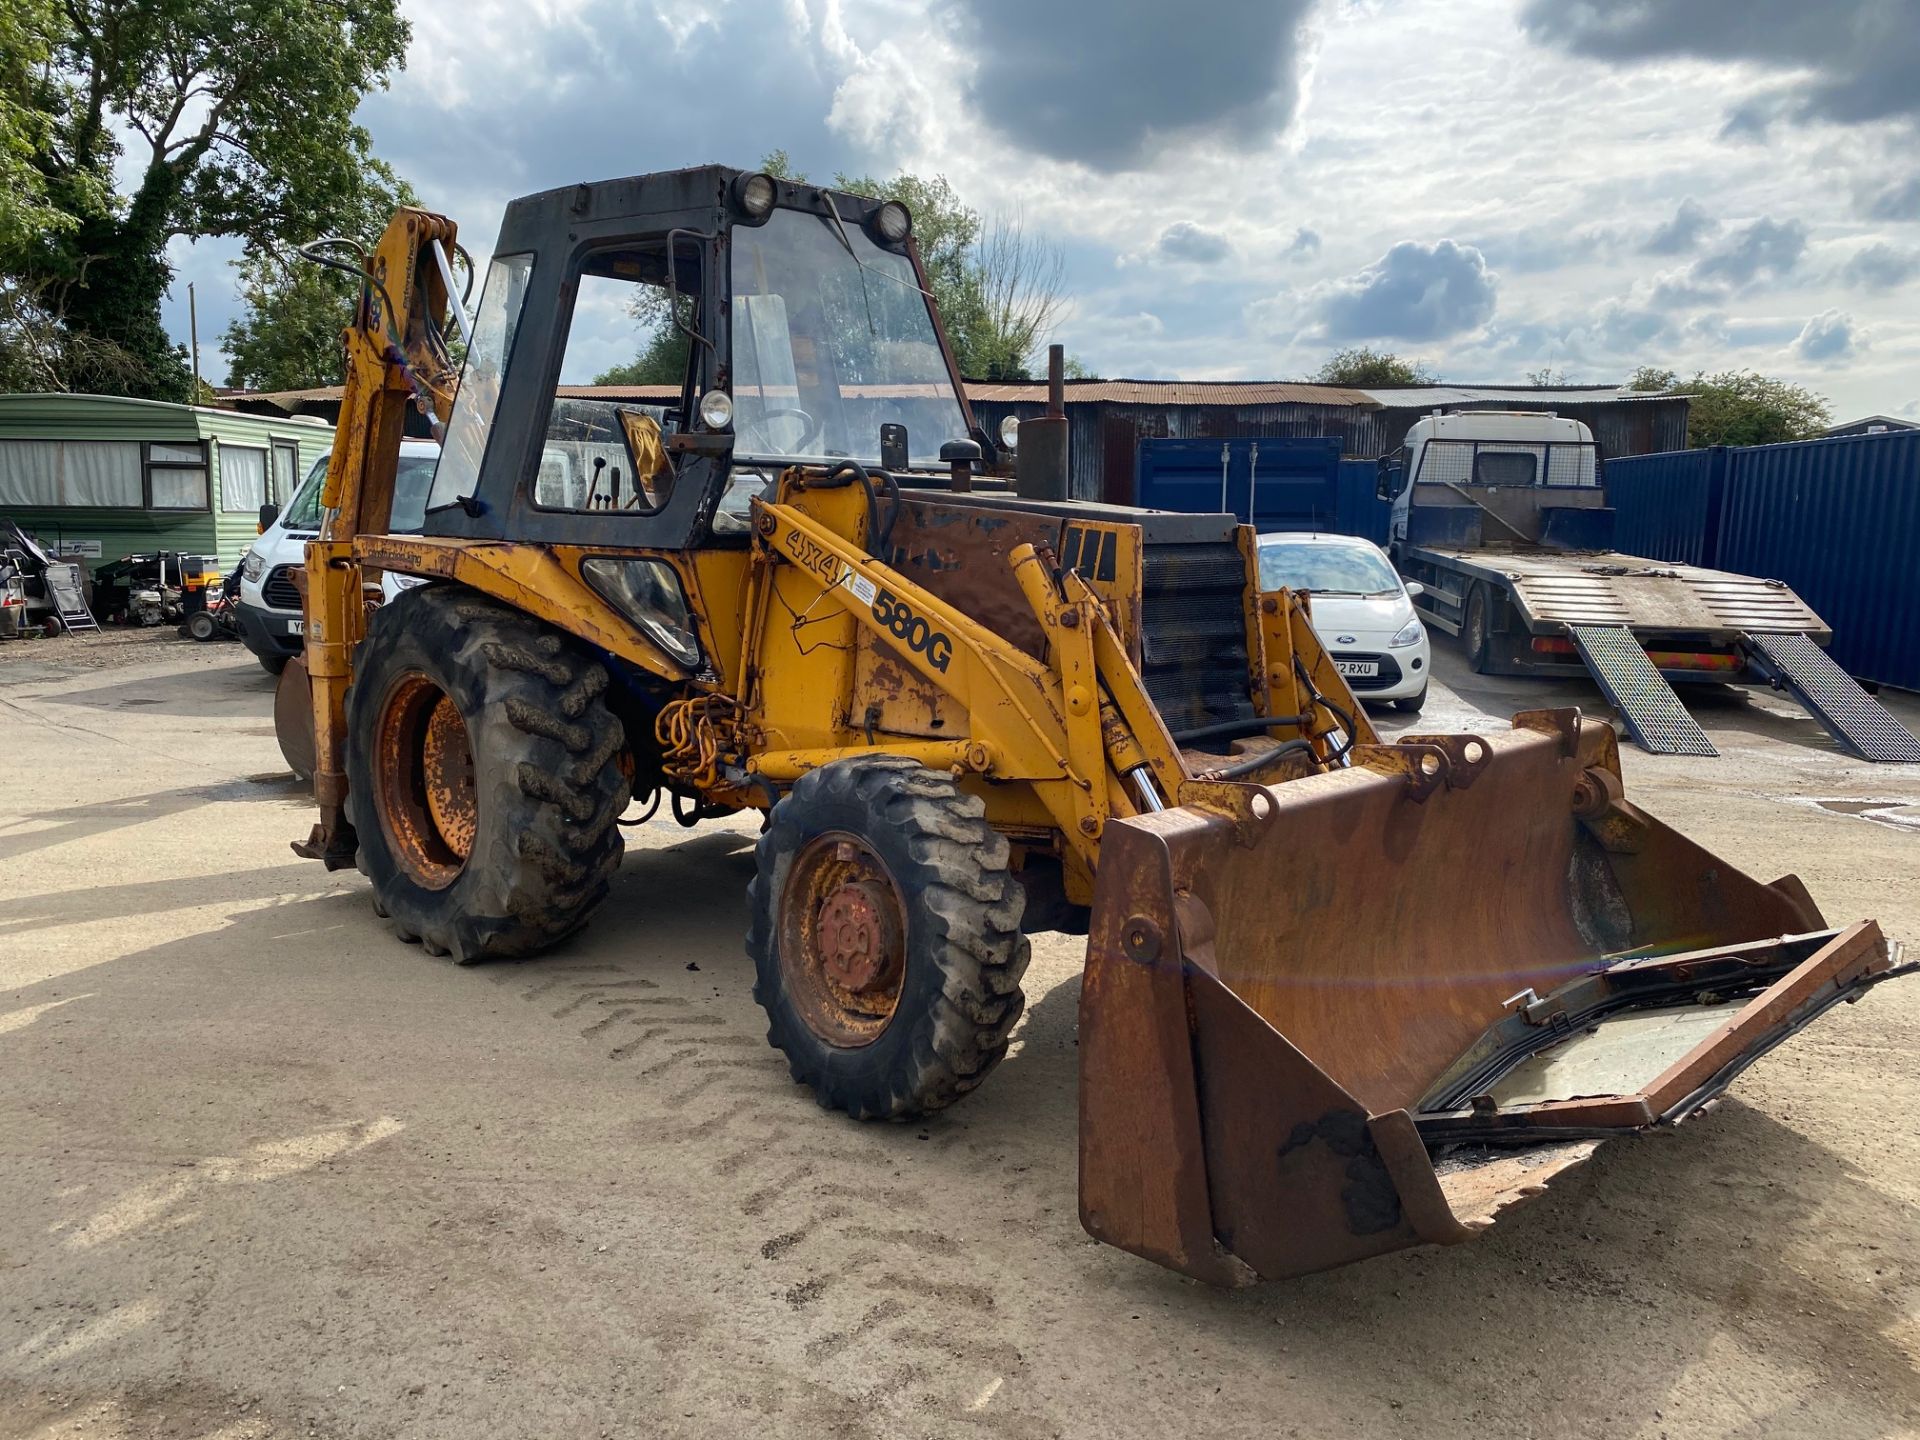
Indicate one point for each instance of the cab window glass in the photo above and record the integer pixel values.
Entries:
(501, 299)
(602, 452)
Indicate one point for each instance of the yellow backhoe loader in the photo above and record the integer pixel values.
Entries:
(1340, 996)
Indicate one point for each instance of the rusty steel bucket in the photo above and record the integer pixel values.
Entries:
(1373, 1008)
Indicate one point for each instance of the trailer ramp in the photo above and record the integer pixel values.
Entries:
(1654, 716)
(1859, 722)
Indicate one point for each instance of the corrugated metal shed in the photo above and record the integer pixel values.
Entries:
(224, 529)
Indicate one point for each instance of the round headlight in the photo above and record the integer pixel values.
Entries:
(716, 409)
(1010, 432)
(755, 194)
(892, 222)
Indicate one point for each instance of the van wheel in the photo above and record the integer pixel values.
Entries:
(885, 937)
(273, 664)
(484, 775)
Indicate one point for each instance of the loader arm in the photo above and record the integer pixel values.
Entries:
(1079, 727)
(396, 355)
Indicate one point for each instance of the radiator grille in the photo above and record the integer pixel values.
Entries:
(277, 589)
(1193, 642)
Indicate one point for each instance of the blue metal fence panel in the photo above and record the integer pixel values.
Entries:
(1839, 521)
(1361, 511)
(1277, 483)
(1667, 506)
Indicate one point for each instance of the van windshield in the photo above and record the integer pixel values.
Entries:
(410, 484)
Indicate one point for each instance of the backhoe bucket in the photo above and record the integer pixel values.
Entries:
(1374, 1008)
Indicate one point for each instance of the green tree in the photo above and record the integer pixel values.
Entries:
(289, 336)
(662, 359)
(1359, 365)
(239, 118)
(1546, 376)
(1740, 407)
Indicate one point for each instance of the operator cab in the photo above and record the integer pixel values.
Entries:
(808, 333)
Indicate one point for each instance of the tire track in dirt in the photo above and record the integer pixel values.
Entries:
(889, 1313)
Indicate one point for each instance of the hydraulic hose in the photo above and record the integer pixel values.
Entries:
(845, 472)
(1250, 763)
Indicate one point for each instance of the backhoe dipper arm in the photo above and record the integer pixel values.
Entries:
(395, 353)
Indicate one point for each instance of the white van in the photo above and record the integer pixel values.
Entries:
(270, 620)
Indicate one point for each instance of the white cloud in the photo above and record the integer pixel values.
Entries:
(1826, 338)
(1610, 223)
(1413, 292)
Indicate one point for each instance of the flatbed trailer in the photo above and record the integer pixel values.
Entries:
(1522, 574)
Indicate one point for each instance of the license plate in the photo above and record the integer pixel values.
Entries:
(299, 627)
(1358, 669)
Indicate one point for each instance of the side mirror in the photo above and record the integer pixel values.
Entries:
(1415, 589)
(269, 513)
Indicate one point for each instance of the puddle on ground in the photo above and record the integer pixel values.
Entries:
(1896, 814)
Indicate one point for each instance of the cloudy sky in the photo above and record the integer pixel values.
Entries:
(1242, 186)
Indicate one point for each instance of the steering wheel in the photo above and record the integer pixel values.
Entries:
(813, 426)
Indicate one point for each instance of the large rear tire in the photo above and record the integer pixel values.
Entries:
(885, 937)
(483, 775)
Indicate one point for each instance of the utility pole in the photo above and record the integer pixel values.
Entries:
(193, 338)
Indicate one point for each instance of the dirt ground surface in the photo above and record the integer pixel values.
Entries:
(266, 1171)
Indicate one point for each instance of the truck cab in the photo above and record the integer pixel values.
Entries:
(1495, 463)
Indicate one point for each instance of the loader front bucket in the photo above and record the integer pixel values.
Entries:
(1373, 1008)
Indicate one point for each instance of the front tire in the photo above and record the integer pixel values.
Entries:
(483, 775)
(273, 664)
(1412, 704)
(885, 937)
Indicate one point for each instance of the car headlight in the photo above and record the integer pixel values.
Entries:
(253, 567)
(1408, 634)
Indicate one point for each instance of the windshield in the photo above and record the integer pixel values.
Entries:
(410, 484)
(827, 348)
(1328, 569)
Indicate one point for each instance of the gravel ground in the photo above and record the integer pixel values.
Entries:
(264, 1171)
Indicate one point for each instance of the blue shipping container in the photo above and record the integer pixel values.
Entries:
(1667, 506)
(1278, 483)
(1838, 520)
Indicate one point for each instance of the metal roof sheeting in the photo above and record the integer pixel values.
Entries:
(1516, 397)
(1173, 392)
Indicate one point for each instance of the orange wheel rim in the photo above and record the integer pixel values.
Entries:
(843, 950)
(424, 786)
